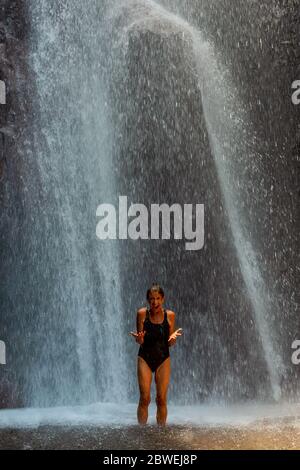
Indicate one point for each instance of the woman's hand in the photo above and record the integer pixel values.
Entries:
(173, 337)
(139, 337)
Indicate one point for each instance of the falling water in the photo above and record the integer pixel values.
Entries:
(69, 290)
(231, 136)
(74, 157)
(232, 140)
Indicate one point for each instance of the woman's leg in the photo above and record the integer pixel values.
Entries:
(144, 378)
(162, 379)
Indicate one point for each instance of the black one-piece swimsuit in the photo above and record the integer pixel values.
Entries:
(155, 348)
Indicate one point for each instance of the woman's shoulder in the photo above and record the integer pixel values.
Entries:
(170, 314)
(142, 312)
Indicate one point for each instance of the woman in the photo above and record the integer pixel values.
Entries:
(155, 334)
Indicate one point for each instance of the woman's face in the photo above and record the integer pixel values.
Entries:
(156, 301)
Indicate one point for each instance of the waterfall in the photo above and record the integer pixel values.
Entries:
(233, 141)
(130, 99)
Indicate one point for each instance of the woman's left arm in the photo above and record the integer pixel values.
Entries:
(173, 333)
(171, 320)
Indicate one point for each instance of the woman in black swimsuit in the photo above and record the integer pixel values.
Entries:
(155, 334)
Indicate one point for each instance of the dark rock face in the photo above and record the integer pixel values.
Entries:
(259, 43)
(13, 129)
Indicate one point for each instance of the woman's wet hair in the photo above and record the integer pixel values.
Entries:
(155, 288)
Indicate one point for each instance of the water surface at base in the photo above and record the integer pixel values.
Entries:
(279, 434)
(111, 426)
(116, 415)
